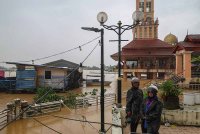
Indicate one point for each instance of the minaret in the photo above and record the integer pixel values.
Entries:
(148, 28)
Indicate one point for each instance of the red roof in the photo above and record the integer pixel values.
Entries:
(193, 38)
(147, 44)
(145, 48)
(188, 46)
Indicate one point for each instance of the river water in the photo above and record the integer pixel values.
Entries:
(64, 126)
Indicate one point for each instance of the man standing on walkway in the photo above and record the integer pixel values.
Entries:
(134, 99)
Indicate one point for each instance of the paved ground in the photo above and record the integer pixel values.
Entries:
(173, 129)
(179, 130)
(30, 126)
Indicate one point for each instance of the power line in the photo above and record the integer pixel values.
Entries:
(90, 53)
(84, 120)
(91, 111)
(47, 126)
(79, 47)
(93, 127)
(68, 74)
(93, 122)
(48, 90)
(108, 128)
(83, 116)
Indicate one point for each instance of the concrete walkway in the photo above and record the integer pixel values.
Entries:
(179, 130)
(172, 129)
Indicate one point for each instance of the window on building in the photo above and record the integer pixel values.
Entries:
(150, 32)
(145, 32)
(131, 64)
(141, 5)
(135, 35)
(140, 32)
(148, 19)
(155, 32)
(135, 32)
(47, 74)
(162, 63)
(148, 7)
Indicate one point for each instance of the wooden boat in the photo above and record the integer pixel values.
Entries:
(95, 82)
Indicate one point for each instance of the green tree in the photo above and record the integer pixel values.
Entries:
(70, 99)
(49, 97)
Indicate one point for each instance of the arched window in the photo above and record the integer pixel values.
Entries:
(148, 19)
(148, 6)
(150, 32)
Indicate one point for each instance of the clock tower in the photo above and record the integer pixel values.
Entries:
(148, 28)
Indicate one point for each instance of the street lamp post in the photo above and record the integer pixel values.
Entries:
(102, 73)
(119, 29)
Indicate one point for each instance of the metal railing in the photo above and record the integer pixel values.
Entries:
(43, 108)
(94, 100)
(7, 84)
(3, 117)
(190, 86)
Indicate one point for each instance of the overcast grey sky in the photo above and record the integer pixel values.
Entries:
(31, 29)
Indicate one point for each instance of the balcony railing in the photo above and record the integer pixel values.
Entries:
(149, 67)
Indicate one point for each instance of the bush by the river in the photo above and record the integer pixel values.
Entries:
(46, 95)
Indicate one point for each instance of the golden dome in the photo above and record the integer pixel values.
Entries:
(171, 39)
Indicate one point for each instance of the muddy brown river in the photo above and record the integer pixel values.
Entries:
(64, 126)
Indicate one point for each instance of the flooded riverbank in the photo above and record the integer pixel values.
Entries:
(64, 126)
(61, 125)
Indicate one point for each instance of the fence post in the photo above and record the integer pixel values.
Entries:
(10, 107)
(75, 104)
(97, 101)
(24, 105)
(84, 101)
(17, 107)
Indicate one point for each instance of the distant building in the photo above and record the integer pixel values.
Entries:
(184, 52)
(2, 73)
(147, 56)
(53, 74)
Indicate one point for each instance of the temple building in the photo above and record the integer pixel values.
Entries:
(188, 57)
(171, 39)
(146, 56)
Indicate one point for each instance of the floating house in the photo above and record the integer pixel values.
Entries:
(53, 74)
(2, 73)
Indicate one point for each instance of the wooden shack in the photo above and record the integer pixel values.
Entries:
(2, 73)
(53, 74)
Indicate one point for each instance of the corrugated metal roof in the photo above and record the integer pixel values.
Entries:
(24, 64)
(62, 63)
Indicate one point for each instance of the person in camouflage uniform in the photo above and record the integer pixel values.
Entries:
(133, 102)
(151, 110)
